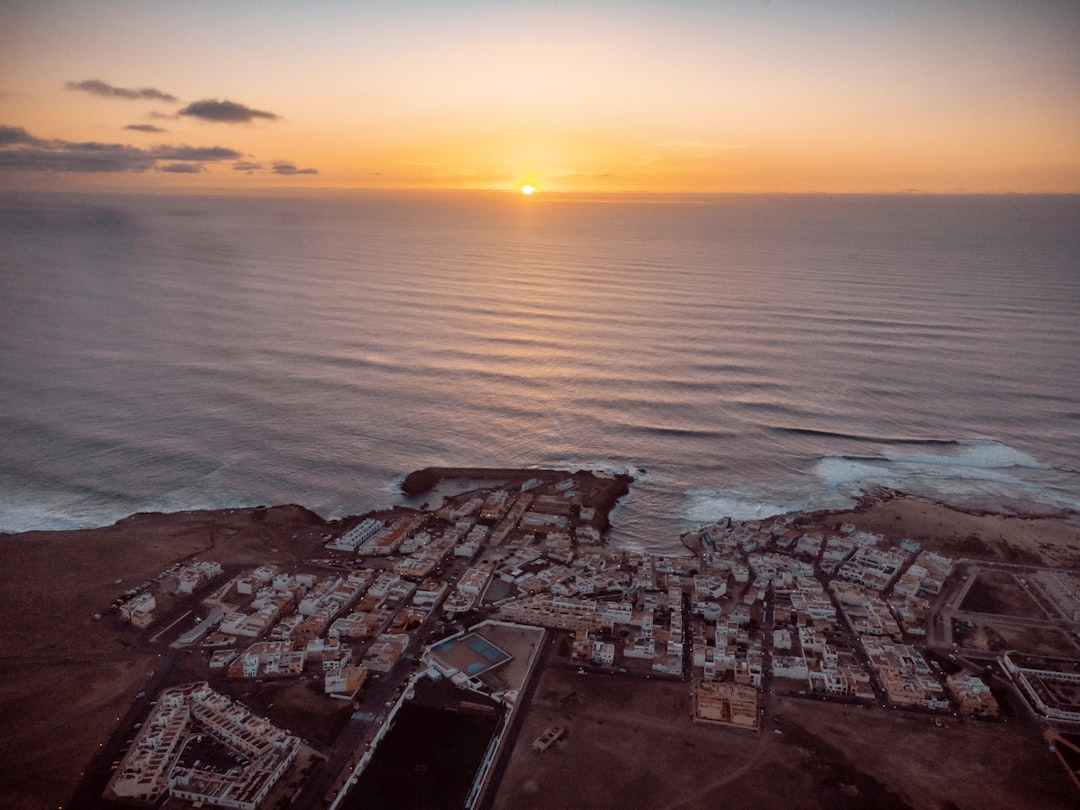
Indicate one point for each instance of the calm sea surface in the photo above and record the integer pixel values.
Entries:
(739, 355)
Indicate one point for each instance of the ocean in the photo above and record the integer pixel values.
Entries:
(739, 355)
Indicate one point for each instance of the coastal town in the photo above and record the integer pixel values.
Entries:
(461, 607)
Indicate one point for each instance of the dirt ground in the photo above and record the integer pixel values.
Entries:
(301, 706)
(1028, 539)
(1001, 637)
(66, 676)
(53, 720)
(631, 744)
(999, 592)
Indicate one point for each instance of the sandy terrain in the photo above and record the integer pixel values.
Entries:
(65, 676)
(1029, 536)
(631, 744)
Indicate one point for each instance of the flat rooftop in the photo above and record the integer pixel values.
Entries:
(471, 654)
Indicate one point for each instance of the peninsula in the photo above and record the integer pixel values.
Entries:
(489, 649)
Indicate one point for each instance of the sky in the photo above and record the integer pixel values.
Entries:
(671, 97)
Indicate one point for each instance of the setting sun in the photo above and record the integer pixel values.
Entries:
(632, 98)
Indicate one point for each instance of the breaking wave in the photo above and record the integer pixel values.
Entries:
(970, 469)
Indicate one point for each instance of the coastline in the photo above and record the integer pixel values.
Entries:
(68, 673)
(1016, 532)
(609, 487)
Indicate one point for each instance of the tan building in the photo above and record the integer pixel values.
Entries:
(728, 704)
(344, 679)
(559, 613)
(973, 695)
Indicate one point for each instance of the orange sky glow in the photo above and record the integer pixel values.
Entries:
(674, 97)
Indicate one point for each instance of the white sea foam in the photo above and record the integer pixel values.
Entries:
(976, 469)
(980, 468)
(743, 502)
(54, 511)
(604, 465)
(836, 472)
(210, 491)
(24, 509)
(972, 454)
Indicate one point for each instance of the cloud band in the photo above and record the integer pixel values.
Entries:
(97, 87)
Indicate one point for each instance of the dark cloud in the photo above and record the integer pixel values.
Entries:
(279, 167)
(289, 168)
(182, 168)
(154, 115)
(21, 151)
(100, 88)
(144, 128)
(225, 112)
(184, 152)
(10, 136)
(64, 156)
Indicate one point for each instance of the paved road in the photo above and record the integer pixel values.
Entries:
(506, 746)
(96, 777)
(354, 740)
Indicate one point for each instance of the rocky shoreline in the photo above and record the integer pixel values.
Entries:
(606, 488)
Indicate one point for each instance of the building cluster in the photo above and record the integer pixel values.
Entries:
(158, 762)
(1051, 685)
(270, 623)
(831, 614)
(192, 576)
(973, 696)
(762, 603)
(301, 619)
(138, 604)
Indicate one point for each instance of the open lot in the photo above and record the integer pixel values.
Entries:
(999, 592)
(67, 676)
(1028, 535)
(999, 637)
(300, 706)
(630, 743)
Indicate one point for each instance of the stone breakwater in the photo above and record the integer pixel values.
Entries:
(605, 489)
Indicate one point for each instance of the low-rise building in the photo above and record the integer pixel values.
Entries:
(151, 768)
(344, 678)
(474, 581)
(972, 695)
(729, 704)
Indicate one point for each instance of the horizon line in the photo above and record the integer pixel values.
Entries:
(538, 195)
